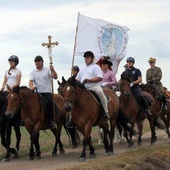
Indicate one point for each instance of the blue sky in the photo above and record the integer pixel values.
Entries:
(25, 25)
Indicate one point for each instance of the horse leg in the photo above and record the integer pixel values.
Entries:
(18, 138)
(100, 133)
(140, 128)
(57, 134)
(152, 120)
(92, 150)
(165, 120)
(86, 141)
(3, 142)
(105, 138)
(32, 153)
(37, 146)
(130, 136)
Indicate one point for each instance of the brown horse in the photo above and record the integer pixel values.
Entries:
(34, 116)
(75, 138)
(130, 106)
(86, 113)
(158, 109)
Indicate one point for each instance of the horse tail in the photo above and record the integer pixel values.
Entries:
(124, 121)
(159, 123)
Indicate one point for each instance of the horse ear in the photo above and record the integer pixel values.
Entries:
(59, 83)
(9, 88)
(63, 79)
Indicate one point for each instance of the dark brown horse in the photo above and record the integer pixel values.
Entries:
(75, 138)
(86, 113)
(158, 109)
(131, 107)
(34, 116)
(6, 128)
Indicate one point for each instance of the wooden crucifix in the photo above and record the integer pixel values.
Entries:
(50, 45)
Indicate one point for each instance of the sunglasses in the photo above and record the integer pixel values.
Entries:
(151, 62)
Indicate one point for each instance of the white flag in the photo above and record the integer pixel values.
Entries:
(102, 38)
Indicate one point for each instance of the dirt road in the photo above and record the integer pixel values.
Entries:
(70, 158)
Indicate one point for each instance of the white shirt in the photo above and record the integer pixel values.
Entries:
(42, 80)
(88, 72)
(12, 77)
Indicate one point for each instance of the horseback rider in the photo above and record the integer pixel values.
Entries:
(109, 78)
(91, 76)
(74, 71)
(154, 76)
(12, 77)
(40, 79)
(136, 77)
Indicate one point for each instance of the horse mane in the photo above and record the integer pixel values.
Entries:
(75, 82)
(126, 76)
(18, 88)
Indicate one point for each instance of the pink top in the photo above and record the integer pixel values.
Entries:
(109, 78)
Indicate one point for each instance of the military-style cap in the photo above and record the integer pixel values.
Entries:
(152, 59)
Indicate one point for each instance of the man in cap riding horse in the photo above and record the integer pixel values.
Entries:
(91, 76)
(154, 76)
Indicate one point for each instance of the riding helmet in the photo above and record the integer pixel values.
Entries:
(130, 59)
(88, 53)
(14, 58)
(76, 68)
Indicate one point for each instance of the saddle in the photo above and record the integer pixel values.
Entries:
(45, 105)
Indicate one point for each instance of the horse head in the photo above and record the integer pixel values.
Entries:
(13, 100)
(70, 92)
(124, 83)
(61, 85)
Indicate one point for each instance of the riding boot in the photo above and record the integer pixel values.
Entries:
(52, 124)
(69, 123)
(164, 103)
(145, 106)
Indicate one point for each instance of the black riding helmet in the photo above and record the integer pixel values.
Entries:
(130, 59)
(14, 58)
(76, 68)
(88, 53)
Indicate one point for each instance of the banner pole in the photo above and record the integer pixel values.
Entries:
(75, 41)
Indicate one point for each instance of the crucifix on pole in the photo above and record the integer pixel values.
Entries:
(50, 45)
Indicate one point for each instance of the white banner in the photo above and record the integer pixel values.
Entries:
(102, 38)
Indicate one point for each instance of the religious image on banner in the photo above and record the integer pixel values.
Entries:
(102, 38)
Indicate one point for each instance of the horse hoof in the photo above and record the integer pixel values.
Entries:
(32, 158)
(15, 155)
(92, 156)
(109, 153)
(53, 154)
(5, 160)
(62, 151)
(74, 146)
(37, 157)
(81, 159)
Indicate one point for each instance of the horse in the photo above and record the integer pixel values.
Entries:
(130, 106)
(163, 114)
(87, 112)
(34, 116)
(6, 127)
(75, 138)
